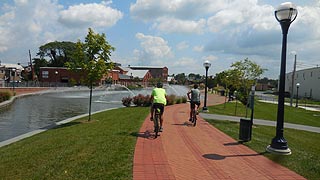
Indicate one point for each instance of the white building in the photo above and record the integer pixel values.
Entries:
(9, 73)
(309, 80)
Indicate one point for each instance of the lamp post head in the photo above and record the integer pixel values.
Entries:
(207, 64)
(56, 72)
(286, 12)
(298, 84)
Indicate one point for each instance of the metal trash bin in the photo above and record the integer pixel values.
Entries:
(245, 130)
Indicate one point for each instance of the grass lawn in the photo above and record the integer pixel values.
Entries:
(304, 146)
(268, 111)
(100, 149)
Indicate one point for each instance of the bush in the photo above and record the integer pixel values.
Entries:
(178, 100)
(126, 101)
(141, 100)
(184, 99)
(171, 99)
(4, 96)
(147, 101)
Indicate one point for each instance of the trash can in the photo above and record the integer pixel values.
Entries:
(222, 93)
(245, 130)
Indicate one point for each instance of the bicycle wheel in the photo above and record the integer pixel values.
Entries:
(156, 125)
(194, 117)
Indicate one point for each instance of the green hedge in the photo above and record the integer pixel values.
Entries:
(144, 101)
(4, 96)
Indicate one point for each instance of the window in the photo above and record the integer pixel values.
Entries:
(45, 74)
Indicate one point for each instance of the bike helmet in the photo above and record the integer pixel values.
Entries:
(159, 85)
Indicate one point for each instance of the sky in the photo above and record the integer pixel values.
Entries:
(178, 34)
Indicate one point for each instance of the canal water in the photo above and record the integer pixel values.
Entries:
(34, 112)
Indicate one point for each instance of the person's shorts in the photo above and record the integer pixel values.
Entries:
(194, 103)
(160, 106)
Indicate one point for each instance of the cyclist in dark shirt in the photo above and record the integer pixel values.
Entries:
(194, 99)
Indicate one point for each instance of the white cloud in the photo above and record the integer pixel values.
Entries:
(182, 45)
(25, 22)
(147, 10)
(86, 15)
(154, 47)
(198, 48)
(210, 58)
(173, 25)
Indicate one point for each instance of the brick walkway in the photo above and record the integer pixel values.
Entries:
(202, 152)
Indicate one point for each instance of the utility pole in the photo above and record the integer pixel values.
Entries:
(292, 82)
(32, 70)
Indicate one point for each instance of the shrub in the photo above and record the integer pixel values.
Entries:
(141, 100)
(178, 100)
(171, 99)
(4, 96)
(126, 101)
(147, 101)
(138, 100)
(184, 99)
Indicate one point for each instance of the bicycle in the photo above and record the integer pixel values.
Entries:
(156, 121)
(194, 116)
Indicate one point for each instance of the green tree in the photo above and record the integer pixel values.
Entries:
(58, 52)
(93, 58)
(37, 63)
(247, 73)
(181, 78)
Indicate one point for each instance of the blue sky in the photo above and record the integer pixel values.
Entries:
(179, 34)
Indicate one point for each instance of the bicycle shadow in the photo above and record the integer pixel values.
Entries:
(186, 123)
(148, 134)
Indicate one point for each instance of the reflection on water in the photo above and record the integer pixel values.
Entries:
(33, 112)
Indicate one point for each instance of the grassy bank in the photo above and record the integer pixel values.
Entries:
(268, 111)
(100, 149)
(304, 145)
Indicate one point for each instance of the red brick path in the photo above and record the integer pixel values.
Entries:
(202, 152)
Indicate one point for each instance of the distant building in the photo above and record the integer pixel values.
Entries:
(10, 73)
(137, 75)
(155, 71)
(309, 80)
(51, 76)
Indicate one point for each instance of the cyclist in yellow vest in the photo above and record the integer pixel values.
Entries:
(159, 100)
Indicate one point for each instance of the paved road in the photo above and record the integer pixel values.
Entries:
(202, 152)
(260, 122)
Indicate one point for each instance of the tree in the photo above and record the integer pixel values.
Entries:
(37, 63)
(247, 72)
(181, 78)
(58, 52)
(93, 58)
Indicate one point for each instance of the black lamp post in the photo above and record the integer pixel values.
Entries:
(225, 99)
(13, 80)
(56, 73)
(286, 13)
(298, 85)
(206, 65)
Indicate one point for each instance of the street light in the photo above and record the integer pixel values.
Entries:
(14, 74)
(286, 13)
(235, 96)
(56, 73)
(298, 84)
(225, 99)
(206, 65)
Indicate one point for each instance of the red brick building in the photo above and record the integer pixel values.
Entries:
(141, 75)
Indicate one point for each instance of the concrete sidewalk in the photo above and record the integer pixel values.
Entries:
(202, 152)
(261, 122)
